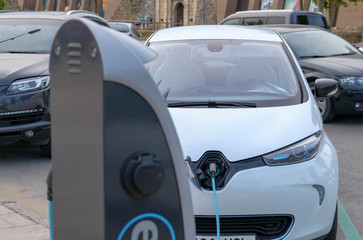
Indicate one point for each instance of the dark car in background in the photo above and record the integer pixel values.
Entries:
(125, 28)
(322, 54)
(25, 43)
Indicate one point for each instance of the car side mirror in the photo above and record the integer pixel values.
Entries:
(358, 47)
(325, 87)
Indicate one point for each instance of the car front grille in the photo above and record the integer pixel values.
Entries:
(265, 227)
(16, 118)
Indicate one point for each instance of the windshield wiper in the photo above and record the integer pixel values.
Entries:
(212, 104)
(21, 52)
(314, 56)
(323, 56)
(342, 54)
(12, 38)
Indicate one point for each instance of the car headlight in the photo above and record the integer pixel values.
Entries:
(295, 153)
(351, 81)
(28, 85)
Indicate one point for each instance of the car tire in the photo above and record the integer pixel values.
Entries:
(45, 150)
(325, 105)
(332, 235)
(326, 108)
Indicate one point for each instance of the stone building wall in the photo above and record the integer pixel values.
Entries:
(12, 5)
(193, 10)
(163, 10)
(206, 12)
(128, 10)
(167, 10)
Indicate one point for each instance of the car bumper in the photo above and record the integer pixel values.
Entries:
(281, 190)
(40, 133)
(22, 113)
(349, 101)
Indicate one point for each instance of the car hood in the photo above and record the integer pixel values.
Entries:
(241, 133)
(15, 66)
(350, 65)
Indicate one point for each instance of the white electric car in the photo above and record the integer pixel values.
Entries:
(239, 100)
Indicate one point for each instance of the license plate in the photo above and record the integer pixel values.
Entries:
(243, 237)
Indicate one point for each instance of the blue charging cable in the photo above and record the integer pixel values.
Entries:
(216, 206)
(50, 204)
(50, 209)
(213, 171)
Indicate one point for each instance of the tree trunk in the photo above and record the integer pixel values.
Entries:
(320, 5)
(331, 14)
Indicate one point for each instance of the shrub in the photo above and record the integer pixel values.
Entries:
(2, 5)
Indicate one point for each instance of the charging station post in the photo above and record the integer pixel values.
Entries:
(118, 169)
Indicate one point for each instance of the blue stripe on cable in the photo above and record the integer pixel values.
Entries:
(216, 206)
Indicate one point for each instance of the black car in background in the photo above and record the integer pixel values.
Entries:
(322, 54)
(25, 42)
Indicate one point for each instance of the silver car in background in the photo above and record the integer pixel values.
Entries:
(125, 28)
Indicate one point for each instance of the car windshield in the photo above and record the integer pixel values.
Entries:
(318, 44)
(230, 72)
(27, 35)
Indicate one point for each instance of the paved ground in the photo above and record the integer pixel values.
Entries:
(15, 226)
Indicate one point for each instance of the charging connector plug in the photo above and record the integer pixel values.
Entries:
(212, 170)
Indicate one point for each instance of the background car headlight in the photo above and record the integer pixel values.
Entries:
(298, 152)
(351, 81)
(28, 85)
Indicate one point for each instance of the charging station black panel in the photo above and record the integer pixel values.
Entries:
(118, 169)
(133, 133)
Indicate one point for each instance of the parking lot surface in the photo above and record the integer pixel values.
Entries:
(346, 135)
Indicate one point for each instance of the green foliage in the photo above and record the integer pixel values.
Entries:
(2, 5)
(326, 3)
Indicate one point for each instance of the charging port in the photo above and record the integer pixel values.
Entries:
(212, 164)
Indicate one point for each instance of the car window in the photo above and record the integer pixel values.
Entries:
(302, 19)
(27, 35)
(310, 19)
(317, 20)
(253, 21)
(225, 70)
(275, 20)
(234, 21)
(318, 44)
(120, 27)
(135, 32)
(99, 21)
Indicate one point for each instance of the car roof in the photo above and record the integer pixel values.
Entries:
(270, 12)
(288, 28)
(116, 22)
(265, 11)
(119, 23)
(222, 32)
(57, 15)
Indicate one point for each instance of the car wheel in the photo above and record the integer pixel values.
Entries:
(45, 150)
(325, 105)
(332, 235)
